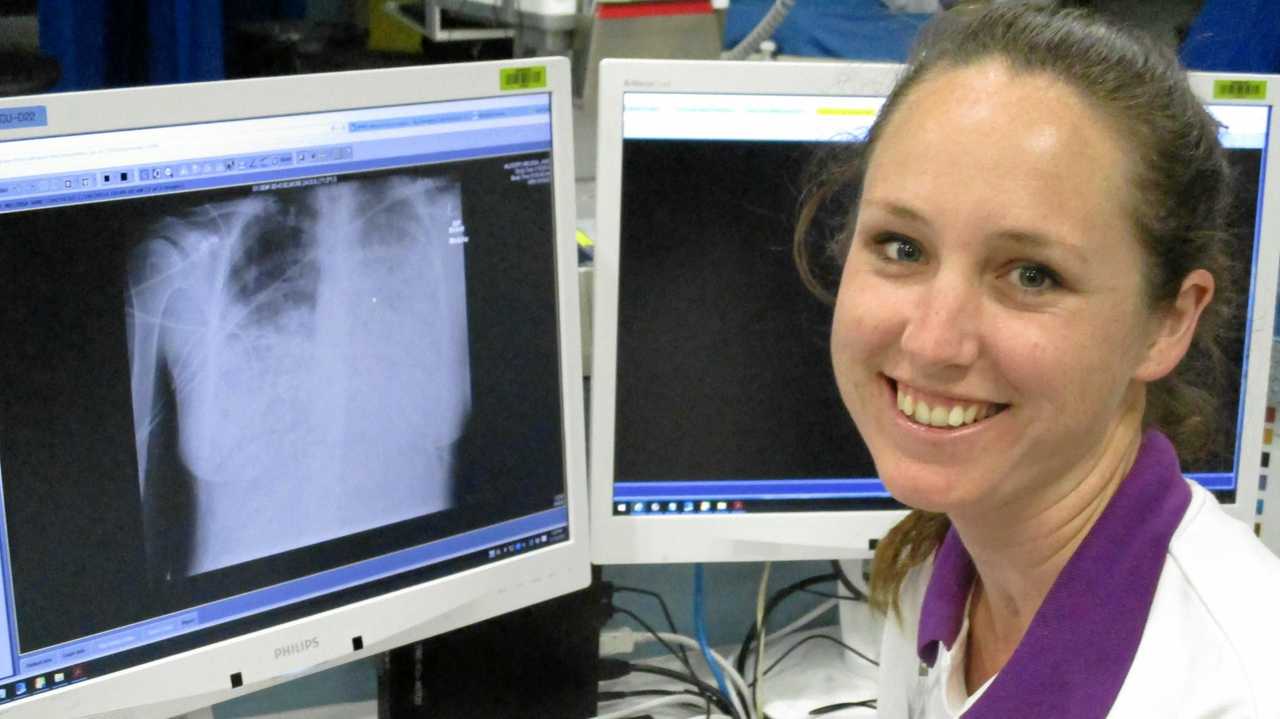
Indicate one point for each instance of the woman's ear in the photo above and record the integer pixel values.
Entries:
(1175, 327)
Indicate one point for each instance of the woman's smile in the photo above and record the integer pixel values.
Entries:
(940, 410)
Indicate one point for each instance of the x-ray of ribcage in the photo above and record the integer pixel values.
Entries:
(299, 365)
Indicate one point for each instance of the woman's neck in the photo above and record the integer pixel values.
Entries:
(1018, 555)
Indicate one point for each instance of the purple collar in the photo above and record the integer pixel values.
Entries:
(1081, 642)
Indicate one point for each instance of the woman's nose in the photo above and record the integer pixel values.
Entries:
(942, 326)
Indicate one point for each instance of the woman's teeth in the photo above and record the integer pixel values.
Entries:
(954, 415)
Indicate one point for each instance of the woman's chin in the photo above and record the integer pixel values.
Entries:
(930, 491)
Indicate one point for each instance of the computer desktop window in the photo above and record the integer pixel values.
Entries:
(725, 398)
(1244, 133)
(259, 368)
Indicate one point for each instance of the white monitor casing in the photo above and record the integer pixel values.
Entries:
(630, 538)
(200, 677)
(701, 538)
(1261, 303)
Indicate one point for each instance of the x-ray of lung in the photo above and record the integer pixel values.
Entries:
(300, 367)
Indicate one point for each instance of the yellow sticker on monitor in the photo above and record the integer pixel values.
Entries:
(1239, 89)
(523, 78)
(850, 111)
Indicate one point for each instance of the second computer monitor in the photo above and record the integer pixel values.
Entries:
(717, 430)
(718, 433)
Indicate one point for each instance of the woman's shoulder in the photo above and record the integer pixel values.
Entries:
(1213, 618)
(1221, 558)
(1208, 645)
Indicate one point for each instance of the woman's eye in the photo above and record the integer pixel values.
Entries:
(898, 249)
(1034, 277)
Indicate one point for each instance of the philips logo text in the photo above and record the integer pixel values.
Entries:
(305, 645)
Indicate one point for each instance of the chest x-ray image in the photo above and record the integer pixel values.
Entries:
(299, 365)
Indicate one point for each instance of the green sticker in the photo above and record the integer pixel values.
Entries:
(1239, 89)
(523, 78)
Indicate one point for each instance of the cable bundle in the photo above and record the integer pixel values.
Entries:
(731, 696)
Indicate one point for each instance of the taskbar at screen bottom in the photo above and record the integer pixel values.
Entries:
(666, 498)
(689, 507)
(727, 496)
(520, 537)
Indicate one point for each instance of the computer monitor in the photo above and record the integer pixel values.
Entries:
(290, 377)
(717, 431)
(1245, 107)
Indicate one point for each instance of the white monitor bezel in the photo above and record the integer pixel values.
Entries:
(629, 539)
(201, 677)
(700, 538)
(1262, 319)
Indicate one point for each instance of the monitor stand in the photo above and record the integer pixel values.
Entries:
(539, 661)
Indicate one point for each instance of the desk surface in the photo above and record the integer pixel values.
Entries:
(350, 710)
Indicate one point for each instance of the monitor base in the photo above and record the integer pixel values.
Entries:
(535, 662)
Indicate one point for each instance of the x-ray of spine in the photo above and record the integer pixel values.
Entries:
(300, 368)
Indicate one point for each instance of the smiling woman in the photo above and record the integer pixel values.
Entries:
(939, 301)
(1035, 263)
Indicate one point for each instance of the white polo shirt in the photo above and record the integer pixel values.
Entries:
(1170, 608)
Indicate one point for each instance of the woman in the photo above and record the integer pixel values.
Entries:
(1036, 246)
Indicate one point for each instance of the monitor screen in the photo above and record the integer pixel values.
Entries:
(725, 397)
(1245, 133)
(260, 367)
(716, 414)
(716, 422)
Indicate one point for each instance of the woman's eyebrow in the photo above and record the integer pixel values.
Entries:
(898, 210)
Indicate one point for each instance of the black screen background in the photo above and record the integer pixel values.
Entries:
(66, 426)
(1246, 166)
(724, 369)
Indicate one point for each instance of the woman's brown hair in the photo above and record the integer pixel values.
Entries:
(1179, 201)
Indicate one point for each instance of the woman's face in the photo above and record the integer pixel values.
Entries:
(991, 327)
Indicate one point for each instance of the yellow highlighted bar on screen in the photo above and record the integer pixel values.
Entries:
(858, 111)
